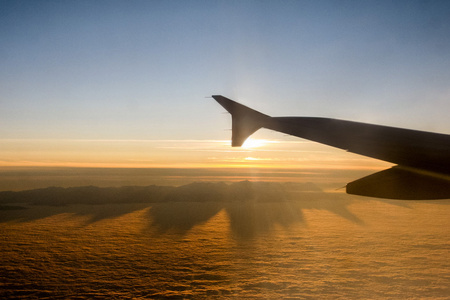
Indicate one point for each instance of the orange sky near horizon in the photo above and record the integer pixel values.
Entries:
(38, 163)
(256, 152)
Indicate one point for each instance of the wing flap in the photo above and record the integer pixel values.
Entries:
(401, 183)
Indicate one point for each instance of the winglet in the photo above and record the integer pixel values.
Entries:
(245, 121)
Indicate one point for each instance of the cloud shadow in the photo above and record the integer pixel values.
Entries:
(253, 208)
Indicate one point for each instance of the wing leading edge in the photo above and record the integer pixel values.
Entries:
(422, 158)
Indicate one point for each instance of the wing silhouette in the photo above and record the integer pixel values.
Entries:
(422, 158)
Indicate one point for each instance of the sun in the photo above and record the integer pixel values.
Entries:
(254, 143)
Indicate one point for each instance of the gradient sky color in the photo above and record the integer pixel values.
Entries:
(123, 83)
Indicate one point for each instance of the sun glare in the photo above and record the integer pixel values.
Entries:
(254, 143)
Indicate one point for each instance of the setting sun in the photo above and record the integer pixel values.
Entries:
(256, 143)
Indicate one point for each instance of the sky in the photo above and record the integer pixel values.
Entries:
(124, 83)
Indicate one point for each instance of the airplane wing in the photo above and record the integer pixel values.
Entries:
(422, 158)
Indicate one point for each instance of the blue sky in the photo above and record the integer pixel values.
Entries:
(140, 70)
